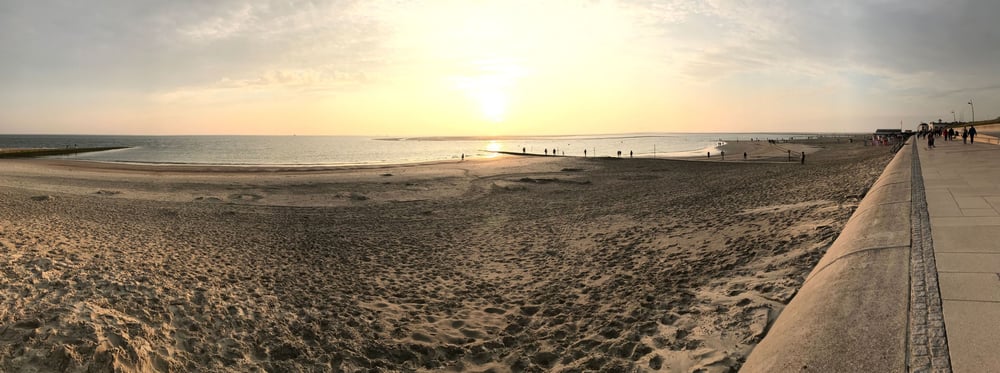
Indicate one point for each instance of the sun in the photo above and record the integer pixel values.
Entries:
(490, 93)
(492, 105)
(489, 87)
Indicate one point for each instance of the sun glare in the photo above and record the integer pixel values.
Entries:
(493, 147)
(512, 63)
(490, 91)
(493, 105)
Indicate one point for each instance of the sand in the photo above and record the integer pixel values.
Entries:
(511, 264)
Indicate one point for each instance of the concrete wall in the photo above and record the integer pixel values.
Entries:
(851, 313)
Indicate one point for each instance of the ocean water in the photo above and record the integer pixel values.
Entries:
(354, 150)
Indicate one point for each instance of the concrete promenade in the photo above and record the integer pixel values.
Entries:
(912, 284)
(962, 183)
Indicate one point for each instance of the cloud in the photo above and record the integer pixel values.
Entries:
(190, 51)
(271, 84)
(220, 26)
(911, 44)
(138, 46)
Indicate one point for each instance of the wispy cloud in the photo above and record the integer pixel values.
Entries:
(221, 26)
(271, 84)
(906, 42)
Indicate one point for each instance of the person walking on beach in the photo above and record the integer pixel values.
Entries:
(524, 150)
(585, 153)
(463, 157)
(972, 134)
(744, 156)
(803, 158)
(630, 154)
(965, 135)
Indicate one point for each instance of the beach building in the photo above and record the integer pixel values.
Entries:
(884, 136)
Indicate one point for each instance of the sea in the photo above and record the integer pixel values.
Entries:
(359, 150)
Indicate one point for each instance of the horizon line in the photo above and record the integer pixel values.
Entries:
(396, 137)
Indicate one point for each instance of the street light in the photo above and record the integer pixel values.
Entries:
(973, 111)
(953, 120)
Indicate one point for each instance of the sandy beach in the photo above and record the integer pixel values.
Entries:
(509, 264)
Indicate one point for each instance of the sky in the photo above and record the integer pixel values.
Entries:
(489, 68)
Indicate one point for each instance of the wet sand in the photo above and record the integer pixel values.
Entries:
(513, 264)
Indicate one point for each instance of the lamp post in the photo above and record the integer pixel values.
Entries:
(953, 120)
(973, 111)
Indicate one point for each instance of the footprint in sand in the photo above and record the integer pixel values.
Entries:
(245, 197)
(28, 324)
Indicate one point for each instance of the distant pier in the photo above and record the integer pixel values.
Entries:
(43, 152)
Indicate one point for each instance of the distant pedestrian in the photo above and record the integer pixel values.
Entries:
(585, 153)
(744, 156)
(546, 151)
(463, 156)
(709, 154)
(524, 150)
(930, 140)
(972, 134)
(630, 154)
(803, 158)
(965, 135)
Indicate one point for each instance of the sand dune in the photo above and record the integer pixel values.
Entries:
(515, 264)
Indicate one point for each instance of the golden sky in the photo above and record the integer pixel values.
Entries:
(391, 68)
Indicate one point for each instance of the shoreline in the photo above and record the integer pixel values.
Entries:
(165, 157)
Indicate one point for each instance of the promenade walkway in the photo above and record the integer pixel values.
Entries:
(962, 184)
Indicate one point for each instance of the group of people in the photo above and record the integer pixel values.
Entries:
(547, 151)
(524, 150)
(949, 134)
